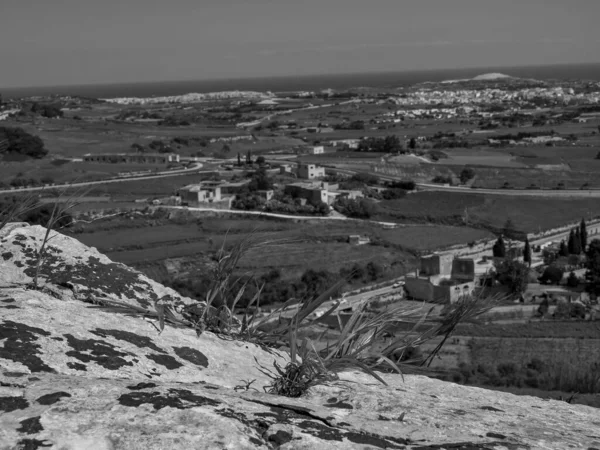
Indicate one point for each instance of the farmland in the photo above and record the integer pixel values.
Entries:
(144, 240)
(529, 214)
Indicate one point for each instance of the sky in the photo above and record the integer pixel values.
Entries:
(66, 42)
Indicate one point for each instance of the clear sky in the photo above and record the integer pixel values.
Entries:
(56, 42)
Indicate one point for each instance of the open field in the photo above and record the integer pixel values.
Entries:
(290, 248)
(528, 214)
(432, 237)
(545, 329)
(476, 157)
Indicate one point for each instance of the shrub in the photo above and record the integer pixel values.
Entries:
(18, 141)
(466, 174)
(572, 280)
(552, 274)
(506, 370)
(442, 179)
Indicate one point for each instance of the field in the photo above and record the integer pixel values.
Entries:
(546, 329)
(476, 157)
(290, 247)
(425, 238)
(528, 214)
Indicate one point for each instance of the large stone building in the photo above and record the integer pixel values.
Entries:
(212, 194)
(443, 279)
(310, 171)
(313, 193)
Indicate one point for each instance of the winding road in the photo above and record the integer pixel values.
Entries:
(173, 173)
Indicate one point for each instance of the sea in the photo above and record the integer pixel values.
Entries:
(311, 83)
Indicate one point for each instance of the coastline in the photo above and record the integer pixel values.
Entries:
(304, 83)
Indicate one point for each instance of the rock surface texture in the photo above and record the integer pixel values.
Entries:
(77, 376)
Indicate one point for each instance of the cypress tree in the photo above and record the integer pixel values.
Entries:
(583, 235)
(576, 242)
(527, 253)
(564, 251)
(571, 243)
(499, 249)
(239, 159)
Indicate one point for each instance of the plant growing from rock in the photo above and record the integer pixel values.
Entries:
(59, 213)
(356, 346)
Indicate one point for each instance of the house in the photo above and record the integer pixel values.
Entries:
(212, 194)
(138, 158)
(355, 239)
(310, 171)
(286, 169)
(313, 193)
(266, 194)
(442, 279)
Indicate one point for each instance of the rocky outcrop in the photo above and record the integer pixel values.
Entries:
(76, 375)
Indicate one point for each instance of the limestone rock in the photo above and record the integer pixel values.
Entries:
(74, 375)
(72, 265)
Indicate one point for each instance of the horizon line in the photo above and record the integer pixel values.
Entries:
(311, 75)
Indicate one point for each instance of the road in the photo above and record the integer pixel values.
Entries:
(512, 192)
(285, 216)
(564, 193)
(194, 169)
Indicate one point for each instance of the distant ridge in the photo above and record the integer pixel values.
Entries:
(482, 77)
(491, 76)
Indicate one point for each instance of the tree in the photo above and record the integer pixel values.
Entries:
(571, 243)
(552, 275)
(466, 174)
(564, 251)
(576, 242)
(260, 181)
(512, 274)
(261, 160)
(583, 235)
(18, 141)
(249, 157)
(239, 159)
(572, 280)
(509, 227)
(412, 144)
(592, 275)
(527, 253)
(226, 148)
(499, 249)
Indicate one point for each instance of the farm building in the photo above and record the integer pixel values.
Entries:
(355, 239)
(313, 193)
(139, 158)
(310, 171)
(216, 194)
(443, 279)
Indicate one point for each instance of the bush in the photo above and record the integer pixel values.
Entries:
(506, 370)
(359, 208)
(442, 179)
(406, 185)
(467, 174)
(18, 141)
(552, 275)
(572, 280)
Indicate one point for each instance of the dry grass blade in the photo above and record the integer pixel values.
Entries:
(14, 211)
